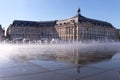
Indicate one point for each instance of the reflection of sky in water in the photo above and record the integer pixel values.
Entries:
(116, 56)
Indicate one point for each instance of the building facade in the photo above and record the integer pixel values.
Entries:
(77, 28)
(32, 30)
(119, 34)
(80, 28)
(2, 36)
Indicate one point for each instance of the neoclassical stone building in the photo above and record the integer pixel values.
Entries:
(2, 36)
(77, 28)
(32, 30)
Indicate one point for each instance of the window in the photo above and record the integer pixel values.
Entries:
(64, 23)
(47, 25)
(60, 23)
(22, 24)
(25, 29)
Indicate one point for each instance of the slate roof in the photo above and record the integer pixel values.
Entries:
(33, 23)
(52, 23)
(93, 21)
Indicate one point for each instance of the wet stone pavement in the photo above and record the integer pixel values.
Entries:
(48, 69)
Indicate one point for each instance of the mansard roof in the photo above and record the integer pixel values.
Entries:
(33, 23)
(93, 21)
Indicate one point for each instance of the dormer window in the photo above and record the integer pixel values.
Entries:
(15, 24)
(64, 23)
(72, 20)
(47, 25)
(60, 23)
(56, 24)
(22, 24)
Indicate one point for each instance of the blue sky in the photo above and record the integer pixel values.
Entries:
(42, 10)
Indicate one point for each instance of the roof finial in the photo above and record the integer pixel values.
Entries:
(79, 11)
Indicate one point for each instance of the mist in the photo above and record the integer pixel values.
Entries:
(70, 51)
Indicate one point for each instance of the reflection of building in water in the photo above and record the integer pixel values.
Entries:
(2, 36)
(78, 70)
(77, 28)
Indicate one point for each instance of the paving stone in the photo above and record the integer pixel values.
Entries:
(17, 71)
(8, 64)
(110, 75)
(42, 76)
(53, 65)
(108, 65)
(80, 72)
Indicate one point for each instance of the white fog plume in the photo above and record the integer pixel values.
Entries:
(32, 51)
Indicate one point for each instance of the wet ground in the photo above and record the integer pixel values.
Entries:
(49, 69)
